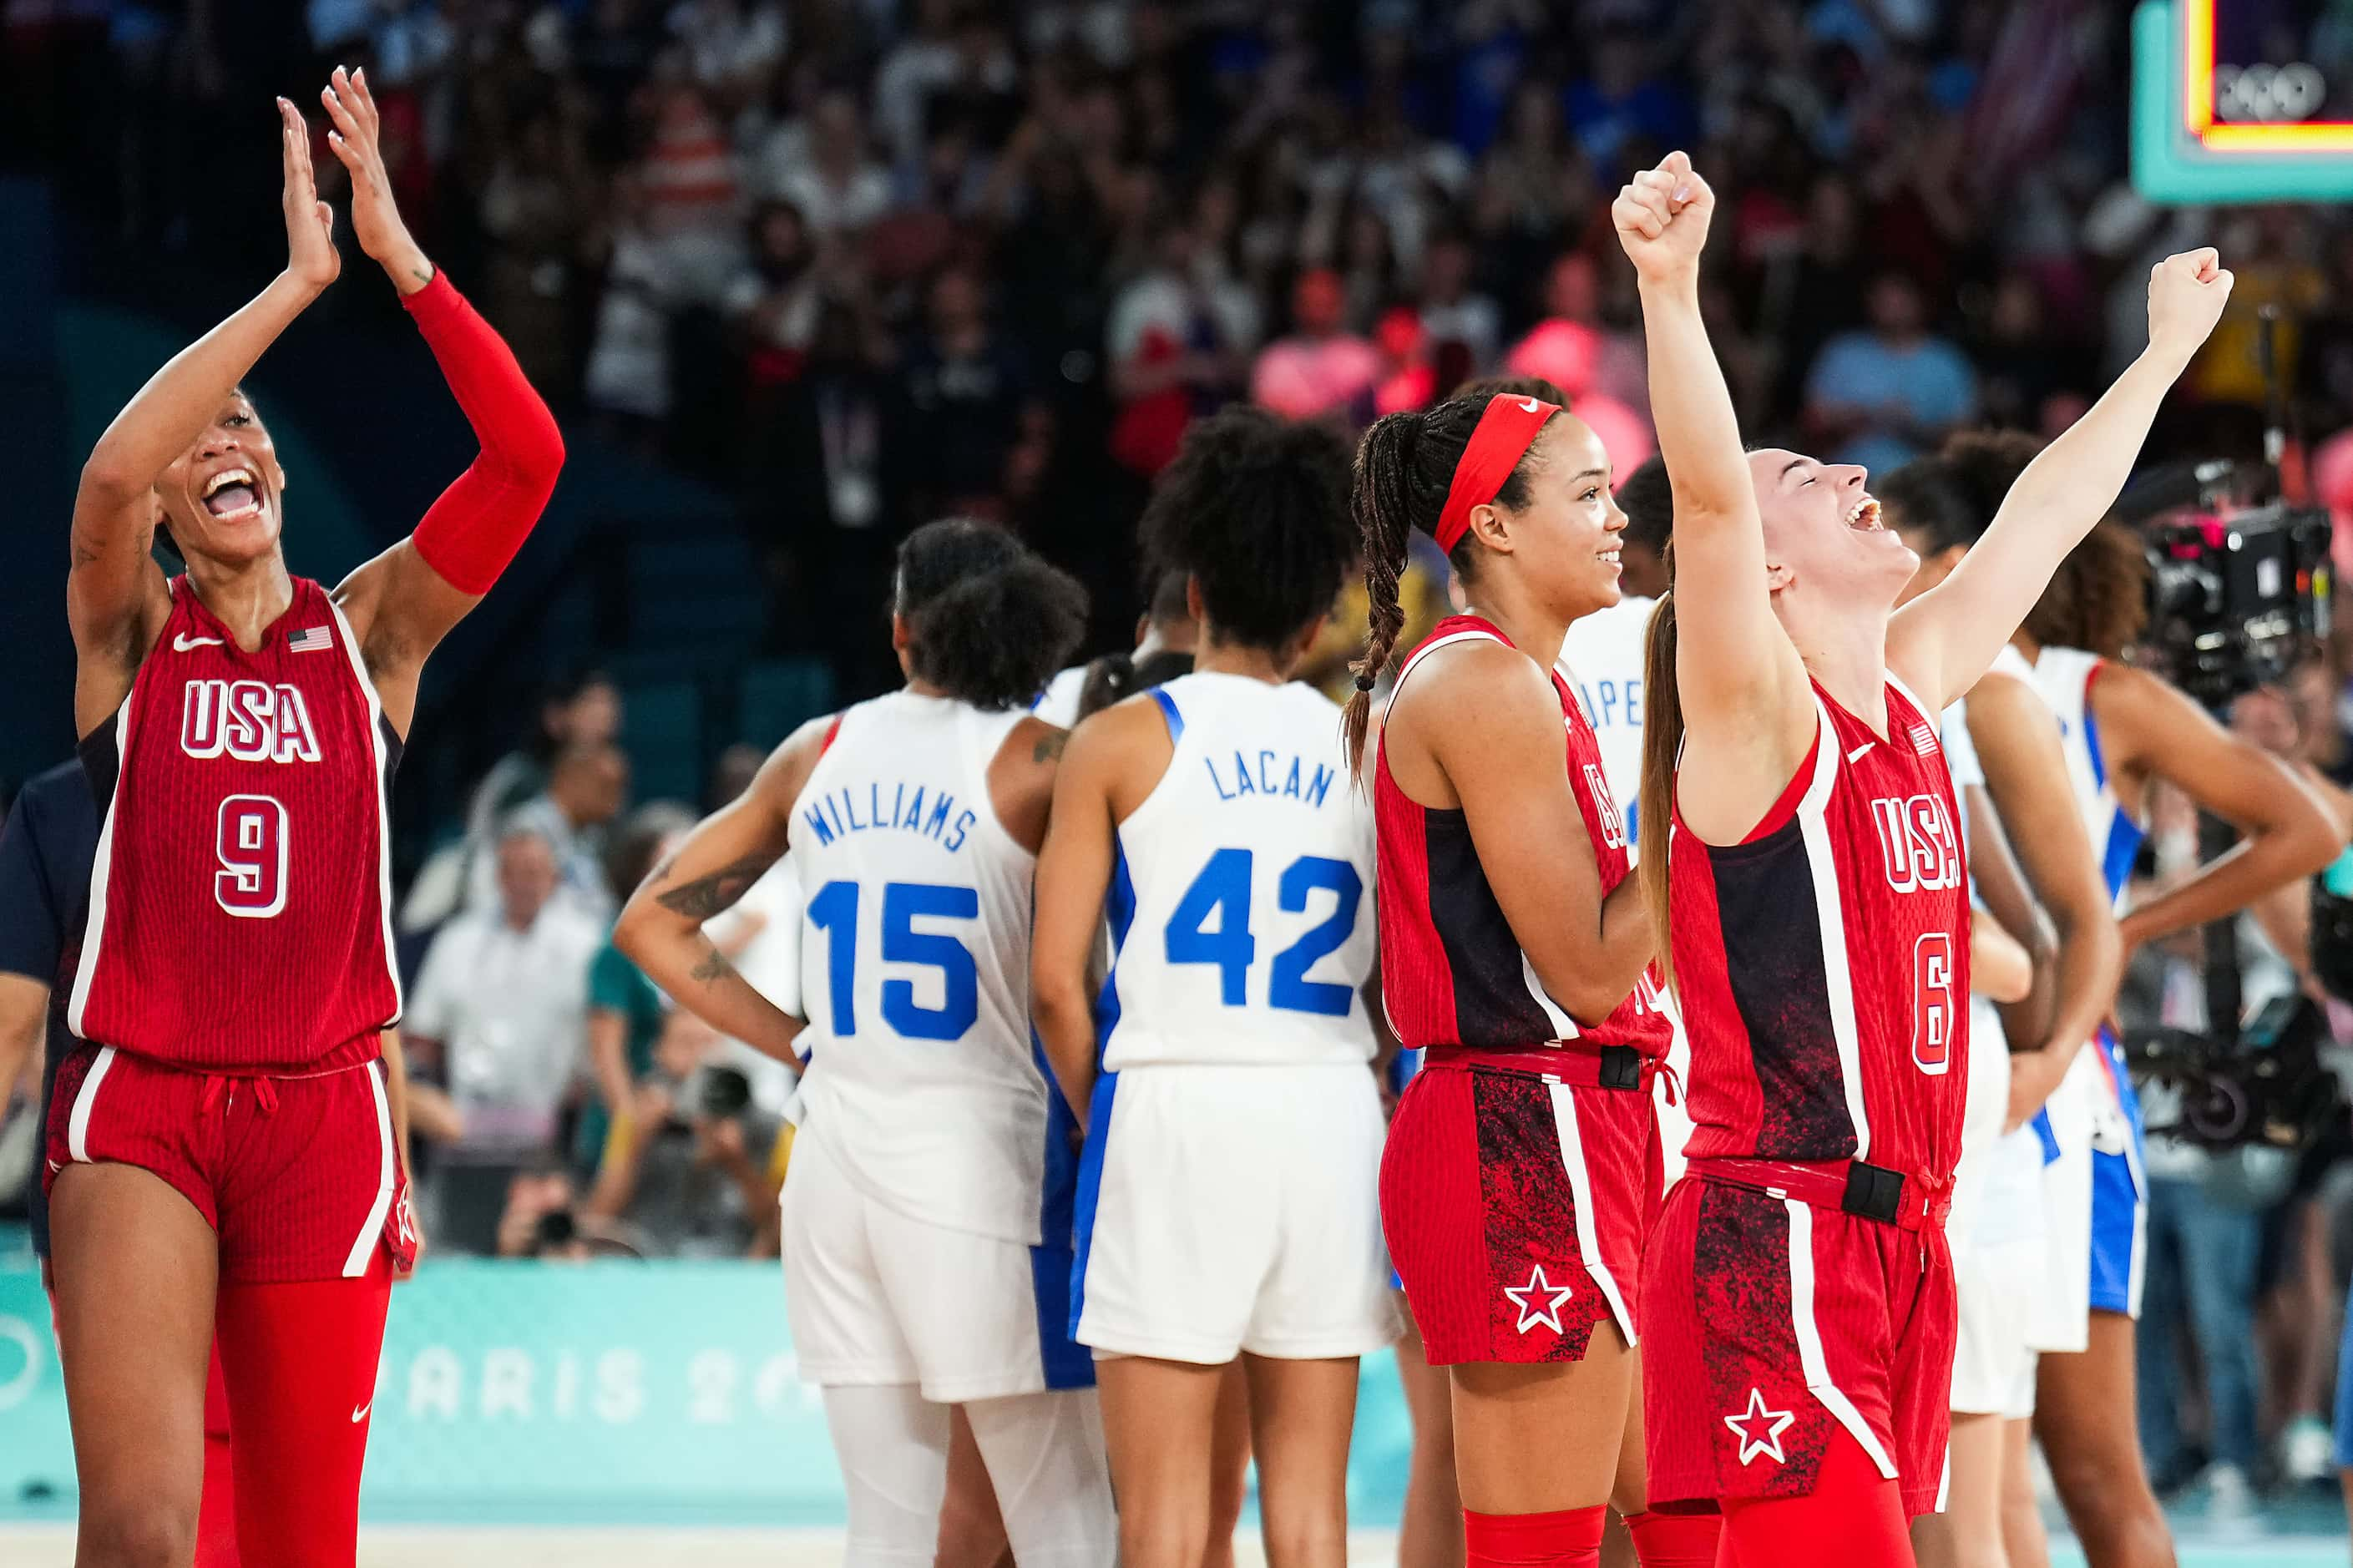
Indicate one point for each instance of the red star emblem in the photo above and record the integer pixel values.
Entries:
(1772, 1423)
(1539, 1300)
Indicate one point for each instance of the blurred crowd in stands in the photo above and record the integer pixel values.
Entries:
(862, 263)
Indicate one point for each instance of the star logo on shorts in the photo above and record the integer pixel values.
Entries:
(1539, 1300)
(1749, 1421)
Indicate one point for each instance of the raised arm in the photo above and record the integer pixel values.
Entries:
(662, 925)
(1746, 699)
(1942, 640)
(115, 596)
(1500, 748)
(402, 603)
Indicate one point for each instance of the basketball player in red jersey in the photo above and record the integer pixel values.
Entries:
(1798, 1298)
(1522, 1164)
(224, 1132)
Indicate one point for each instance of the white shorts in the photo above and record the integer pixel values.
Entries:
(1224, 1209)
(876, 1296)
(2060, 1319)
(1997, 1286)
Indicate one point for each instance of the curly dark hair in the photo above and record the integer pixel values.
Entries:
(1648, 499)
(988, 621)
(1255, 511)
(1923, 498)
(2098, 599)
(1404, 468)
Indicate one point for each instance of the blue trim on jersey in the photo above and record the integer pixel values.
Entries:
(1091, 1164)
(1067, 1364)
(2092, 738)
(2116, 854)
(1175, 720)
(2046, 1137)
(1119, 907)
(1402, 1068)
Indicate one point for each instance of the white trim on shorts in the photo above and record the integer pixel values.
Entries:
(1815, 1364)
(85, 1098)
(364, 1247)
(1580, 1187)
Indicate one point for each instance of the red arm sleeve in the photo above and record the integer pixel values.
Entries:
(476, 526)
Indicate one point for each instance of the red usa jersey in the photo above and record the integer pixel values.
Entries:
(240, 905)
(1823, 964)
(1452, 972)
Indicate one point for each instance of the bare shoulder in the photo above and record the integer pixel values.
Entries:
(1475, 685)
(786, 772)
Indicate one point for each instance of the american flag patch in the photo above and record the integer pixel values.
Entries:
(1923, 740)
(310, 640)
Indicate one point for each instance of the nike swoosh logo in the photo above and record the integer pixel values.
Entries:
(359, 1411)
(183, 642)
(1528, 405)
(1856, 755)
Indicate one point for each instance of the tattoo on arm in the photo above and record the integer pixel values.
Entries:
(710, 968)
(1049, 748)
(706, 895)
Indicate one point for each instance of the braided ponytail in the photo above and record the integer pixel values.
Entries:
(1381, 497)
(1663, 739)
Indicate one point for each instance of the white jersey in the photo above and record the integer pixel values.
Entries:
(1601, 660)
(1058, 704)
(923, 1076)
(2064, 677)
(1241, 905)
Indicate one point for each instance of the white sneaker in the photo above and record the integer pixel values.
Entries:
(2230, 1499)
(2307, 1452)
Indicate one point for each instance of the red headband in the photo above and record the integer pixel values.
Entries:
(1506, 430)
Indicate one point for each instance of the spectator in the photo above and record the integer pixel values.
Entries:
(1624, 107)
(827, 175)
(700, 1172)
(626, 1011)
(499, 1009)
(1321, 369)
(1176, 338)
(627, 378)
(1880, 397)
(776, 299)
(533, 208)
(1464, 326)
(966, 396)
(729, 44)
(1574, 349)
(587, 785)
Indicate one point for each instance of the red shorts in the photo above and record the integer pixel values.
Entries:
(1765, 1320)
(1515, 1207)
(296, 1174)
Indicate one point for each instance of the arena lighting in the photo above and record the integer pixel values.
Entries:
(2183, 151)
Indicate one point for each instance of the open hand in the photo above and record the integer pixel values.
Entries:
(2186, 296)
(310, 255)
(376, 218)
(1661, 217)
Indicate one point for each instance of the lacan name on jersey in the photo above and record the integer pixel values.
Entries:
(1268, 774)
(251, 720)
(917, 809)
